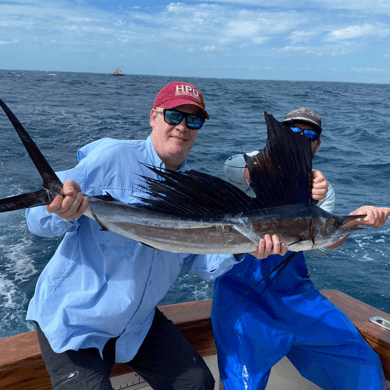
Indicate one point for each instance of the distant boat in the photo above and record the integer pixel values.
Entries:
(117, 72)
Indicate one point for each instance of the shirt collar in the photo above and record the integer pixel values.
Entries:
(156, 160)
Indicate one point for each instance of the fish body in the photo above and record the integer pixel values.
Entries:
(300, 226)
(192, 212)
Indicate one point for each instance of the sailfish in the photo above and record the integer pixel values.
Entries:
(193, 212)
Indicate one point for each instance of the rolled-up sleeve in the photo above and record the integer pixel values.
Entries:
(326, 204)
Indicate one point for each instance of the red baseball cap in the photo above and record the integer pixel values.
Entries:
(177, 93)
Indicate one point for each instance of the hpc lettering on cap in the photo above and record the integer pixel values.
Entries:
(178, 93)
(187, 90)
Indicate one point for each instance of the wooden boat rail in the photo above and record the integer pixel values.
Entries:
(22, 367)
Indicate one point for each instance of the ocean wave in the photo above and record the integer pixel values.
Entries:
(67, 111)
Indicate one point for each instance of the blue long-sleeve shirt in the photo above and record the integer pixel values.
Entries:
(100, 285)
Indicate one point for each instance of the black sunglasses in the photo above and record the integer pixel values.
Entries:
(172, 117)
(311, 134)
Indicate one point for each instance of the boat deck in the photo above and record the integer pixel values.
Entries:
(22, 367)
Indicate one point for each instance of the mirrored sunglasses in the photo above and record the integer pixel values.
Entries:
(311, 134)
(193, 122)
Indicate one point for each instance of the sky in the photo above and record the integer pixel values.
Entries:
(318, 40)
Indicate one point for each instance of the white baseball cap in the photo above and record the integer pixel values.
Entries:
(234, 168)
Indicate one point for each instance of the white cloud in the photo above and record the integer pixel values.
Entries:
(315, 51)
(352, 32)
(304, 51)
(9, 42)
(213, 49)
(196, 25)
(368, 70)
(302, 36)
(243, 28)
(199, 32)
(260, 40)
(366, 6)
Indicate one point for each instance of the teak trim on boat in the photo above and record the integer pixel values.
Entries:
(22, 368)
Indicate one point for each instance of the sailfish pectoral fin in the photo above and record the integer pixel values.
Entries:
(51, 185)
(246, 229)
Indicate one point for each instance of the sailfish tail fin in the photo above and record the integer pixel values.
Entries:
(25, 201)
(51, 185)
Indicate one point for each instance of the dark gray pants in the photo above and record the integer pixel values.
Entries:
(166, 360)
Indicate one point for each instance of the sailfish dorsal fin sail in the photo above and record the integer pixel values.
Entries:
(280, 175)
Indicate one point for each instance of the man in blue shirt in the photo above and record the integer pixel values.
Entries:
(256, 324)
(95, 301)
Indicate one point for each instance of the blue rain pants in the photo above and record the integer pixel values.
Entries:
(254, 330)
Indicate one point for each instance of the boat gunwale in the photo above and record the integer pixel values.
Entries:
(22, 366)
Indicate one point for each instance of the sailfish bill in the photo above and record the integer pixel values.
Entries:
(51, 185)
(192, 212)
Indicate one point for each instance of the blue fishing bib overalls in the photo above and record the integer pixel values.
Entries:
(255, 328)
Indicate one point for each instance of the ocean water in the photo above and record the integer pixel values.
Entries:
(64, 111)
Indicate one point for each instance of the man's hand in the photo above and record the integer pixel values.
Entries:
(320, 185)
(72, 205)
(269, 246)
(375, 216)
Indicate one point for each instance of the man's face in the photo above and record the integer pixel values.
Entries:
(173, 143)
